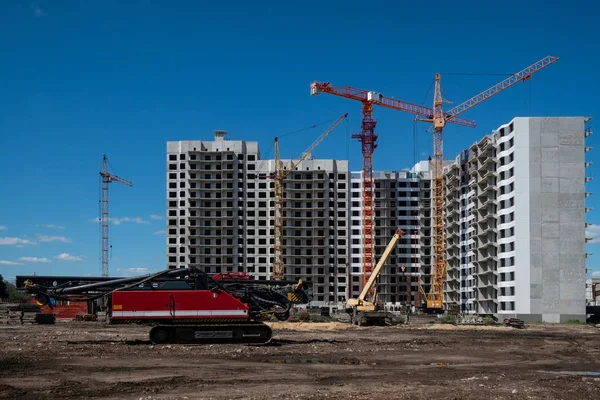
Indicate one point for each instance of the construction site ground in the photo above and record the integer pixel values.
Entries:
(86, 360)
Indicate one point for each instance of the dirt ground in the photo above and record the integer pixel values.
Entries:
(305, 361)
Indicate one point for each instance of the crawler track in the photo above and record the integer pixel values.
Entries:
(253, 333)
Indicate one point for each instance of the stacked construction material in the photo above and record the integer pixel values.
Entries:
(515, 323)
(18, 313)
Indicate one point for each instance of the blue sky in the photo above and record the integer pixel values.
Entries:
(80, 79)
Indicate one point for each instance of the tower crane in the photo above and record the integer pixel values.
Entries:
(368, 138)
(107, 178)
(438, 118)
(279, 175)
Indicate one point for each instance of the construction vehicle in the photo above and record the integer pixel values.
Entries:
(366, 311)
(185, 305)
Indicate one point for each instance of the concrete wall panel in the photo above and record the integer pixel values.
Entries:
(550, 155)
(571, 154)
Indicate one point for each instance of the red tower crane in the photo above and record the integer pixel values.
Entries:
(368, 138)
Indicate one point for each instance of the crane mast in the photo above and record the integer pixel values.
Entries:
(107, 178)
(280, 174)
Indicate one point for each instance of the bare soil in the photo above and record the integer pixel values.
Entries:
(83, 360)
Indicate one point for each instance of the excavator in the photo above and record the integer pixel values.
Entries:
(365, 311)
(186, 305)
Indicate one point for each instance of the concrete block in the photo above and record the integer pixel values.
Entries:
(550, 262)
(535, 291)
(573, 139)
(570, 125)
(571, 200)
(572, 185)
(550, 154)
(535, 265)
(535, 125)
(550, 246)
(572, 215)
(551, 318)
(550, 185)
(569, 170)
(571, 154)
(535, 214)
(550, 124)
(535, 246)
(550, 215)
(572, 230)
(572, 317)
(535, 230)
(549, 200)
(535, 154)
(572, 246)
(550, 230)
(535, 307)
(549, 139)
(535, 169)
(572, 274)
(549, 170)
(550, 301)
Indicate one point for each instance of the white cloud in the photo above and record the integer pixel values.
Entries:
(37, 10)
(67, 257)
(34, 259)
(46, 238)
(160, 232)
(13, 241)
(5, 262)
(119, 221)
(52, 226)
(3, 228)
(593, 232)
(157, 217)
(596, 274)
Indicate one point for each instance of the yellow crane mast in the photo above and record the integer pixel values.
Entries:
(279, 175)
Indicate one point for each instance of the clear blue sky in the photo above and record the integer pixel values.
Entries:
(79, 79)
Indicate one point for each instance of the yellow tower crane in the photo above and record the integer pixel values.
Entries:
(281, 172)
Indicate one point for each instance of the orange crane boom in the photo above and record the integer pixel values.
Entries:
(368, 138)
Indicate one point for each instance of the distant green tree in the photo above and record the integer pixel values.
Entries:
(3, 288)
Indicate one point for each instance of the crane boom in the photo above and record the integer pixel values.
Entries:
(279, 175)
(378, 99)
(520, 76)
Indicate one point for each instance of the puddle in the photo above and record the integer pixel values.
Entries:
(582, 373)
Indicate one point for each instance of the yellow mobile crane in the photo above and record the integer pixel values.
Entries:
(280, 174)
(368, 312)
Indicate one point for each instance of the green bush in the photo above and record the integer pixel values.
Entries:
(488, 320)
(448, 319)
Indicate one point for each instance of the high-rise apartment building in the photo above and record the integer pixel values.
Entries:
(515, 221)
(220, 214)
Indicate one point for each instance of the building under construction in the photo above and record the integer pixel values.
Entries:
(527, 261)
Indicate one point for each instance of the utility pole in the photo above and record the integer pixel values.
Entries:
(107, 178)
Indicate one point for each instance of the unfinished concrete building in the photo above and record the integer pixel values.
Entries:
(516, 221)
(402, 200)
(220, 214)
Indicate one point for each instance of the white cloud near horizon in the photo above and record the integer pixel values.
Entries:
(119, 221)
(14, 241)
(161, 232)
(47, 239)
(67, 257)
(156, 217)
(6, 262)
(52, 226)
(3, 228)
(34, 259)
(593, 232)
(595, 274)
